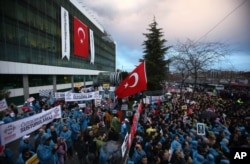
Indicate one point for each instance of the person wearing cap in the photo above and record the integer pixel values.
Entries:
(25, 143)
(46, 152)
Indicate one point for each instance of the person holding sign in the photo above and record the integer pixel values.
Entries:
(200, 129)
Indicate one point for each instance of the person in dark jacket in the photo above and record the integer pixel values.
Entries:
(46, 152)
(81, 148)
(178, 157)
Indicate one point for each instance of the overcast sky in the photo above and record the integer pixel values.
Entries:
(225, 21)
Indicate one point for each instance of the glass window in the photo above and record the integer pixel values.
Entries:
(31, 18)
(63, 79)
(23, 37)
(11, 32)
(78, 78)
(21, 13)
(11, 81)
(40, 80)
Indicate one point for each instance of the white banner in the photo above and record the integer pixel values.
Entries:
(88, 89)
(3, 105)
(60, 95)
(154, 99)
(92, 46)
(17, 129)
(81, 96)
(65, 33)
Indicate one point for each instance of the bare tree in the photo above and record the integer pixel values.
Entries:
(182, 69)
(194, 57)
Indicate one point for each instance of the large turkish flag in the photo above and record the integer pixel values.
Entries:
(135, 82)
(81, 39)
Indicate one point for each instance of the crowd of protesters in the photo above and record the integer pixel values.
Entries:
(166, 132)
(81, 132)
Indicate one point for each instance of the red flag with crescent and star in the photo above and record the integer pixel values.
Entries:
(135, 82)
(81, 39)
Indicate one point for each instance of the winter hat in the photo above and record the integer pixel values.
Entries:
(26, 137)
(126, 120)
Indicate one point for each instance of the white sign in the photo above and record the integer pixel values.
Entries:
(200, 129)
(154, 99)
(124, 145)
(98, 102)
(124, 107)
(17, 129)
(92, 46)
(65, 33)
(3, 105)
(81, 96)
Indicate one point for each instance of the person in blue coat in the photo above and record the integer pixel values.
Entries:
(7, 118)
(123, 129)
(66, 135)
(46, 152)
(138, 154)
(24, 156)
(75, 128)
(175, 143)
(25, 143)
(76, 113)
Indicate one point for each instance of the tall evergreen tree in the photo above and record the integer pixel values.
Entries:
(154, 55)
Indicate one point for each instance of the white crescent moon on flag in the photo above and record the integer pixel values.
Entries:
(136, 79)
(80, 30)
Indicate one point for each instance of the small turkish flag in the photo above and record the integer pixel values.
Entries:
(81, 39)
(135, 82)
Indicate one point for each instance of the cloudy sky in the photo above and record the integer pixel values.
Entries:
(225, 21)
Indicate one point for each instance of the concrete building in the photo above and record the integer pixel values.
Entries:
(50, 45)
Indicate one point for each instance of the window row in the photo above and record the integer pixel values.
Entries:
(16, 81)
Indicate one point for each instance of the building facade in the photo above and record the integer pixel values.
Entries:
(50, 44)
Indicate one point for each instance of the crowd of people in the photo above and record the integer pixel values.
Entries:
(81, 132)
(166, 132)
